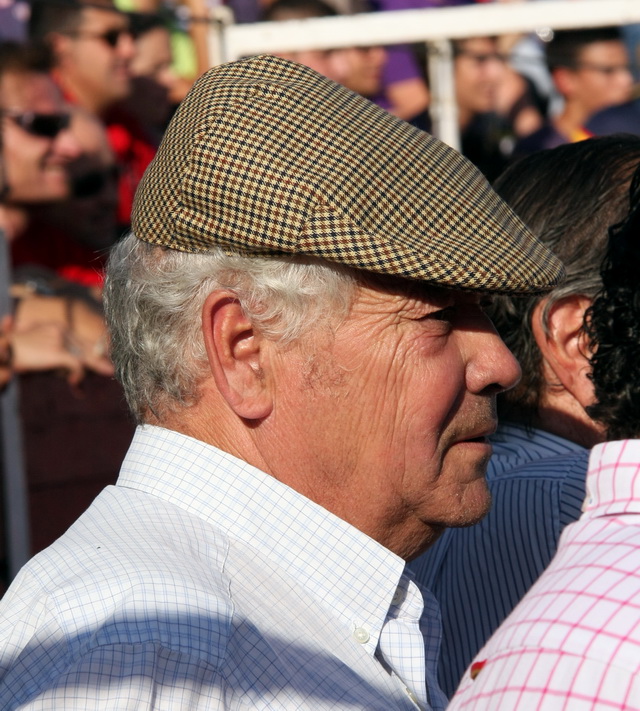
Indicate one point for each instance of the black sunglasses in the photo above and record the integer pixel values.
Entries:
(110, 37)
(93, 183)
(44, 125)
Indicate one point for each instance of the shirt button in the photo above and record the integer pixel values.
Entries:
(398, 597)
(361, 635)
(412, 696)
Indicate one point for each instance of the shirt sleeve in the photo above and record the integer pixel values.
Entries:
(532, 679)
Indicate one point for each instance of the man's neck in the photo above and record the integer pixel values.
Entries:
(464, 118)
(573, 426)
(570, 123)
(75, 94)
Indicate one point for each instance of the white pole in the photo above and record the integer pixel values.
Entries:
(15, 499)
(444, 108)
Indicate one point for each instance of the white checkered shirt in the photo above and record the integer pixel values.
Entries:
(199, 582)
(573, 642)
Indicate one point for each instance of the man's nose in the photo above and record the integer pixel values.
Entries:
(493, 368)
(126, 47)
(66, 145)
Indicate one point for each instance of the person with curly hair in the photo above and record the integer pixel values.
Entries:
(574, 640)
(613, 326)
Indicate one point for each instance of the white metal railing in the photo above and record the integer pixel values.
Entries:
(423, 25)
(436, 27)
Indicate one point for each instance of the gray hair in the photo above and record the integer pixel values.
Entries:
(568, 196)
(154, 298)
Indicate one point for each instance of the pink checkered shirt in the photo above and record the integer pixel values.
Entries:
(573, 643)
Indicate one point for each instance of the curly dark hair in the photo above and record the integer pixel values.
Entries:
(613, 327)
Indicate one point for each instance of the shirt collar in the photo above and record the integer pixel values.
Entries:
(522, 445)
(286, 527)
(613, 479)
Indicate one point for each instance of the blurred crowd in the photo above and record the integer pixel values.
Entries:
(86, 91)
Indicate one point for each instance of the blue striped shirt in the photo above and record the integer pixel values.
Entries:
(479, 574)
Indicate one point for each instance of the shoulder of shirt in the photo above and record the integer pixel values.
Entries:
(135, 570)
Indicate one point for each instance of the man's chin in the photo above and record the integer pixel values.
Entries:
(476, 510)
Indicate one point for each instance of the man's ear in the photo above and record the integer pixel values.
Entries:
(564, 346)
(236, 354)
(564, 78)
(60, 45)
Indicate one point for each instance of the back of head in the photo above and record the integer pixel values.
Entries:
(565, 47)
(613, 325)
(568, 196)
(142, 22)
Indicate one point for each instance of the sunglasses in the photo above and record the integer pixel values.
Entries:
(44, 125)
(110, 37)
(93, 183)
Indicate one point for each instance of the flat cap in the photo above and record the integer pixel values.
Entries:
(267, 157)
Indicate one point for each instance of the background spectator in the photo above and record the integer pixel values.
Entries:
(357, 68)
(327, 62)
(152, 76)
(93, 49)
(72, 237)
(590, 70)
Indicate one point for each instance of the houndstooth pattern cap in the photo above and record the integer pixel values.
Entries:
(267, 157)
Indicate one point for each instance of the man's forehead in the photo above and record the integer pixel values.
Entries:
(603, 47)
(409, 290)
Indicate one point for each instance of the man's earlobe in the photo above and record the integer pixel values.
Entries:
(563, 78)
(59, 45)
(236, 352)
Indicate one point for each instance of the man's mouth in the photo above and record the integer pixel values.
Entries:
(481, 435)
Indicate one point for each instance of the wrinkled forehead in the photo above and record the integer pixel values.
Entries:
(397, 287)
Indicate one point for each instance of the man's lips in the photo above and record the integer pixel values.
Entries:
(479, 435)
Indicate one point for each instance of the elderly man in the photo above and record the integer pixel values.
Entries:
(298, 322)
